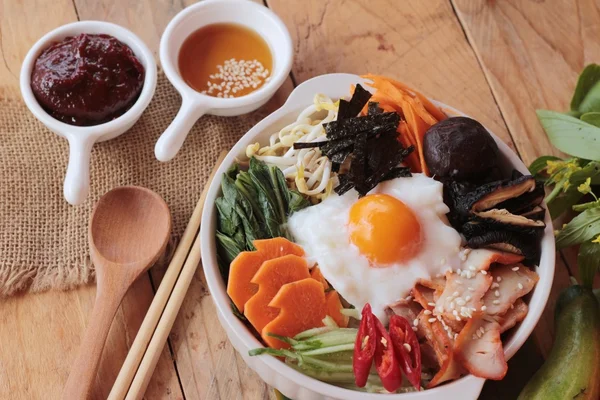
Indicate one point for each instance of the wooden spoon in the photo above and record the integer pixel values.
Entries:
(129, 230)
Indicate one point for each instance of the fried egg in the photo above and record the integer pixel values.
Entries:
(375, 249)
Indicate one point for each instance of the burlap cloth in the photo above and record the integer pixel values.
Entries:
(43, 239)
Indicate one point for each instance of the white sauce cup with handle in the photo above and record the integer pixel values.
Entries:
(82, 138)
(194, 104)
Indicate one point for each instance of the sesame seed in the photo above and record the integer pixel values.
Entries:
(459, 271)
(452, 305)
(409, 298)
(479, 335)
(483, 272)
(440, 309)
(414, 328)
(427, 312)
(520, 285)
(499, 278)
(384, 342)
(482, 329)
(458, 318)
(472, 268)
(455, 312)
(407, 347)
(469, 275)
(460, 302)
(483, 308)
(431, 320)
(455, 336)
(455, 294)
(496, 302)
(468, 298)
(431, 304)
(471, 289)
(515, 268)
(497, 293)
(416, 322)
(494, 285)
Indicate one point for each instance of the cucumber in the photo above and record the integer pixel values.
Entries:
(572, 369)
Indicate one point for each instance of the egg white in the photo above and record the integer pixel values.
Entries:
(322, 230)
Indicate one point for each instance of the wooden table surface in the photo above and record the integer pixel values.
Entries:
(496, 60)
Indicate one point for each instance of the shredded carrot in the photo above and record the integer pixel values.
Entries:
(418, 112)
(429, 106)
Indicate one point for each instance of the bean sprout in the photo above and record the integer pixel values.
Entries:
(306, 170)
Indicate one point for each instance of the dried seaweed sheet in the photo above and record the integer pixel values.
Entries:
(349, 109)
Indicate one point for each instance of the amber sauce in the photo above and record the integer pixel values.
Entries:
(225, 60)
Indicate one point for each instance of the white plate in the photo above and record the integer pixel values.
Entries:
(277, 374)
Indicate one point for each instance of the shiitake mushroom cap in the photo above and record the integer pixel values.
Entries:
(460, 148)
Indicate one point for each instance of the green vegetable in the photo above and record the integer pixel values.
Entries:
(583, 227)
(539, 165)
(588, 78)
(592, 118)
(573, 366)
(587, 260)
(571, 135)
(255, 205)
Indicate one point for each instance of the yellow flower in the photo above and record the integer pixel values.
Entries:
(585, 187)
(597, 240)
(554, 166)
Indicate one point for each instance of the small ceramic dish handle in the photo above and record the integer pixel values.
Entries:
(77, 178)
(173, 137)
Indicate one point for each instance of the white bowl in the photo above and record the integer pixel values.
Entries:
(194, 104)
(82, 138)
(277, 374)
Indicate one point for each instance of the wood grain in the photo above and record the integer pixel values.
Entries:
(421, 43)
(21, 25)
(418, 42)
(40, 334)
(532, 53)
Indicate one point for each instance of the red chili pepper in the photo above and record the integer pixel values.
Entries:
(386, 361)
(364, 347)
(410, 360)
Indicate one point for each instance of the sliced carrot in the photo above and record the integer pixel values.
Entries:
(315, 273)
(429, 106)
(245, 265)
(334, 307)
(395, 93)
(301, 306)
(418, 127)
(270, 277)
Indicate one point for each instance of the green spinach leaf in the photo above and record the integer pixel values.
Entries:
(564, 202)
(583, 227)
(588, 78)
(588, 261)
(571, 135)
(228, 249)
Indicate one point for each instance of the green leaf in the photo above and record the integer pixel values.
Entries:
(591, 102)
(582, 228)
(571, 135)
(228, 249)
(592, 118)
(564, 202)
(297, 201)
(540, 164)
(587, 79)
(588, 261)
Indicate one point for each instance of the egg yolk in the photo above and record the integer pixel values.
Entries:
(384, 229)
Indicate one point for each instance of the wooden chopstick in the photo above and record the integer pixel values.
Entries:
(143, 355)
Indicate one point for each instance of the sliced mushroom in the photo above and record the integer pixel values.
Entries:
(518, 205)
(504, 217)
(491, 194)
(537, 212)
(524, 244)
